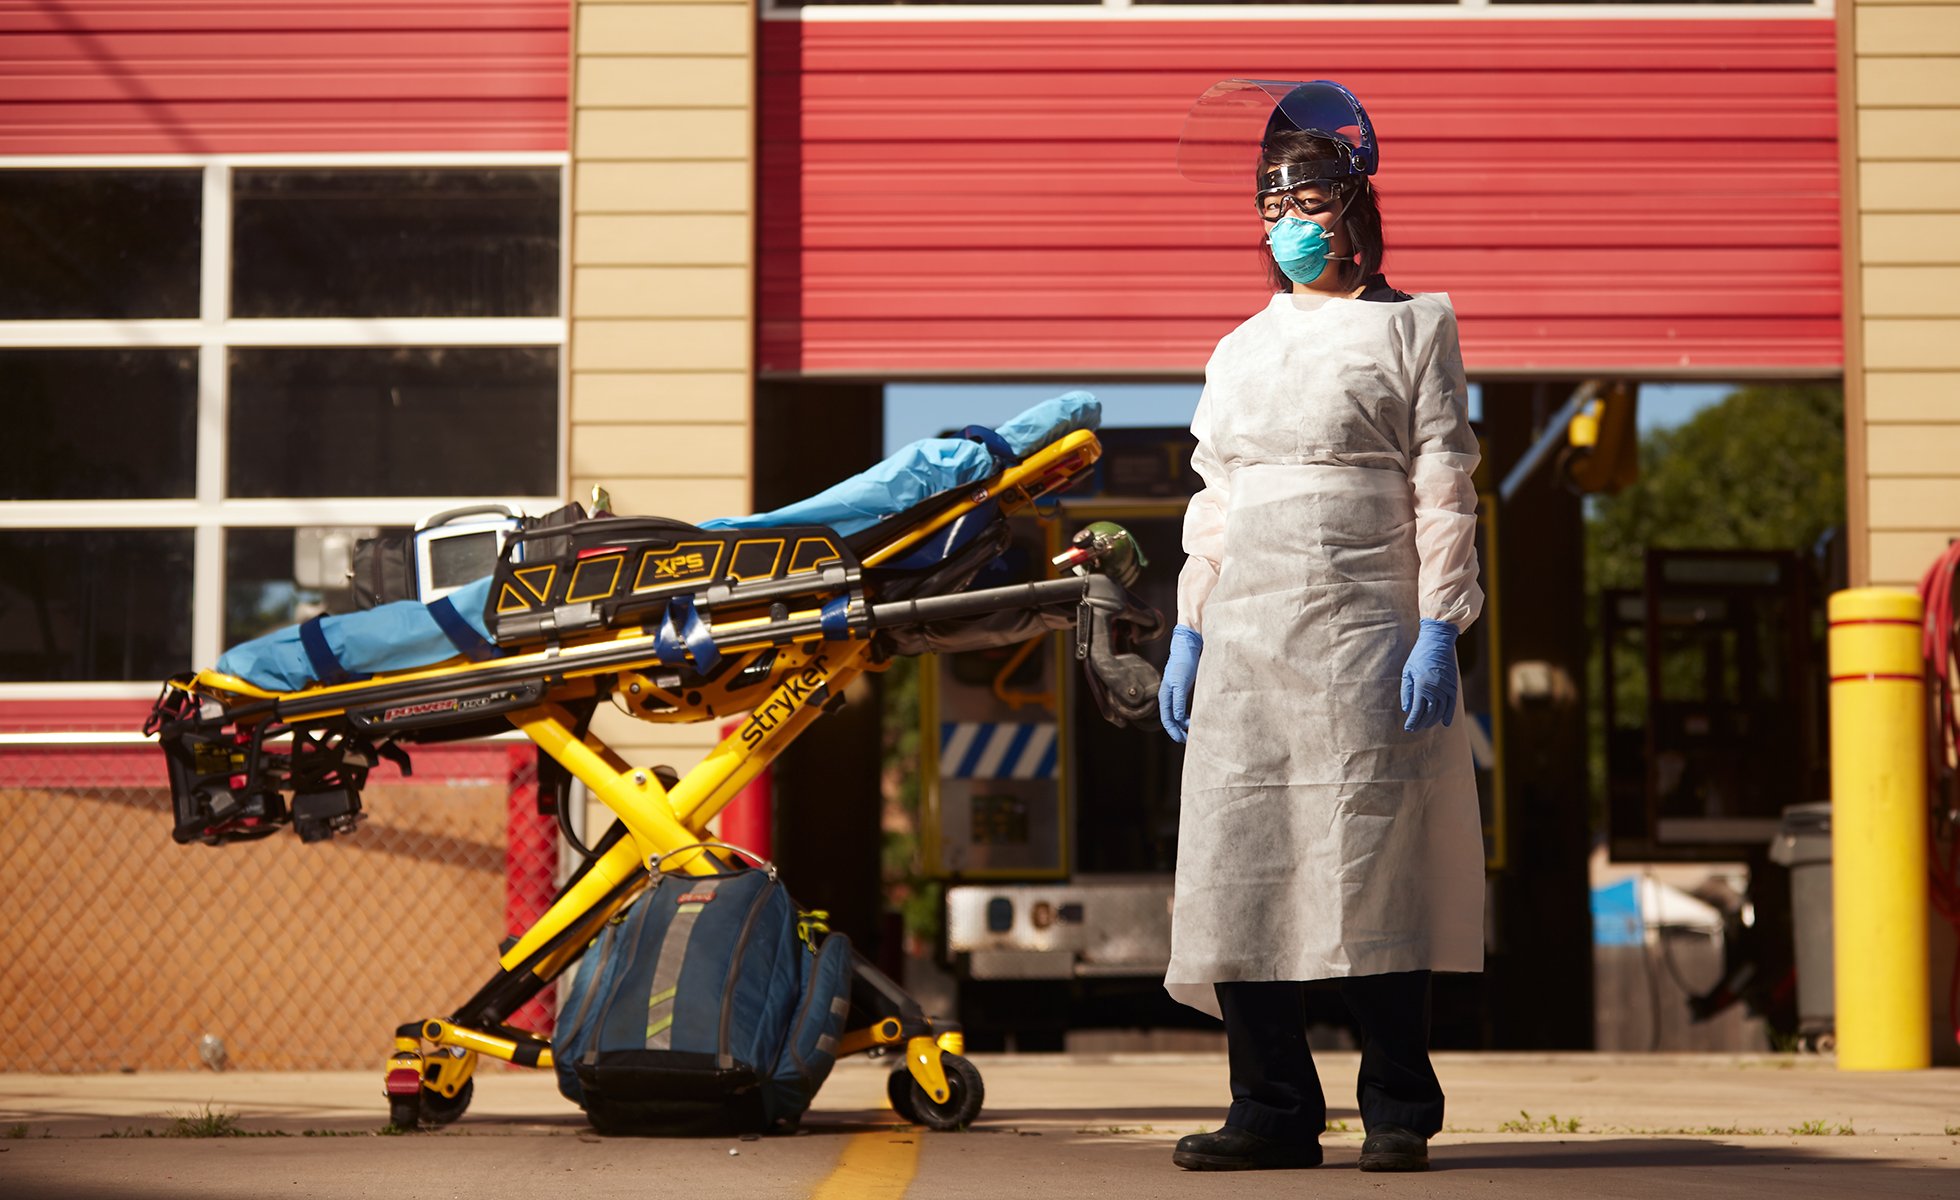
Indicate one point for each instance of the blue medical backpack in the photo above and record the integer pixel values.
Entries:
(701, 1009)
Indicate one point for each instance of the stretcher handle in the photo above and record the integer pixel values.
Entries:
(1099, 591)
(448, 515)
(608, 528)
(766, 865)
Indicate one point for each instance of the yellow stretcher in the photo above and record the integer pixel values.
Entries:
(673, 624)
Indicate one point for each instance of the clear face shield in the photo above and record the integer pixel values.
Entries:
(1225, 128)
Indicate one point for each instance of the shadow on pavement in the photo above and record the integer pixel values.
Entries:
(1638, 1153)
(1211, 1116)
(953, 1167)
(261, 1123)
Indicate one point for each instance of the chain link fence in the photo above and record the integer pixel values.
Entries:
(121, 950)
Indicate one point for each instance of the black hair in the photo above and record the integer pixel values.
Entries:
(1361, 214)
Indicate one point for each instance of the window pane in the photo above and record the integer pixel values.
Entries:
(395, 243)
(94, 604)
(261, 593)
(408, 421)
(98, 424)
(81, 244)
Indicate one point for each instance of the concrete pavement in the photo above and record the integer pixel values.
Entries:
(1640, 1127)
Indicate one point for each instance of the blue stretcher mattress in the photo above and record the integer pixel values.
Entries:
(408, 634)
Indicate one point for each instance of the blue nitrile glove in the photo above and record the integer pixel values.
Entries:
(1429, 677)
(1180, 672)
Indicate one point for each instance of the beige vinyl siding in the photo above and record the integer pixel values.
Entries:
(1910, 186)
(679, 344)
(626, 135)
(1899, 558)
(1915, 504)
(1903, 284)
(1907, 396)
(1912, 291)
(663, 292)
(692, 451)
(663, 239)
(662, 296)
(1911, 237)
(1919, 450)
(623, 397)
(662, 187)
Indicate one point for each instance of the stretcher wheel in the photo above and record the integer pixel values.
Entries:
(910, 1101)
(898, 1089)
(404, 1112)
(430, 1109)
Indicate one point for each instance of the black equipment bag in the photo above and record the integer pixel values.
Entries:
(384, 570)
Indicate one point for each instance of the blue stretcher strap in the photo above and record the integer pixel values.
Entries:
(461, 633)
(836, 618)
(996, 445)
(683, 634)
(667, 645)
(326, 665)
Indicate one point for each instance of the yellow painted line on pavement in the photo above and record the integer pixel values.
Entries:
(873, 1166)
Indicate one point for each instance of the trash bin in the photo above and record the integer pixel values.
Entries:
(1803, 844)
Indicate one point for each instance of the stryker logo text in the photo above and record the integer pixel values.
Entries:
(792, 695)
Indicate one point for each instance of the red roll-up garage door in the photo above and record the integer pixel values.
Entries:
(265, 76)
(1000, 197)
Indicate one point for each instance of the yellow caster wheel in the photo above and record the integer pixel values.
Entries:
(961, 1107)
(428, 1109)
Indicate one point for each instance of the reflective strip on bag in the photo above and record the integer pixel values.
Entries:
(667, 971)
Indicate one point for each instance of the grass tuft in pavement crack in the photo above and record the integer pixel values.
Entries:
(384, 1131)
(16, 1132)
(206, 1122)
(1547, 1124)
(1728, 1131)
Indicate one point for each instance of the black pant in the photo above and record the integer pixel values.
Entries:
(1275, 1089)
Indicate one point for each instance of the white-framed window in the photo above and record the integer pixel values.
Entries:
(200, 356)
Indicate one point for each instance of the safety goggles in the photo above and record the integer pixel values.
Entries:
(1303, 201)
(1309, 188)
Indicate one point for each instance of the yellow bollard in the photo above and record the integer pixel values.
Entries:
(1878, 831)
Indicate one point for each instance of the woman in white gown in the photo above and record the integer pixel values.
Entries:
(1329, 825)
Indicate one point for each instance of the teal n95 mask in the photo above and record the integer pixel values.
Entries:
(1299, 247)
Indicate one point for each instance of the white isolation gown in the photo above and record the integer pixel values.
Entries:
(1317, 839)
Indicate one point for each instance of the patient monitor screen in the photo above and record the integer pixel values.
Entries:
(458, 558)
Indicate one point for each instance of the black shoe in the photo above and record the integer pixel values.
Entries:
(1234, 1149)
(1393, 1148)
